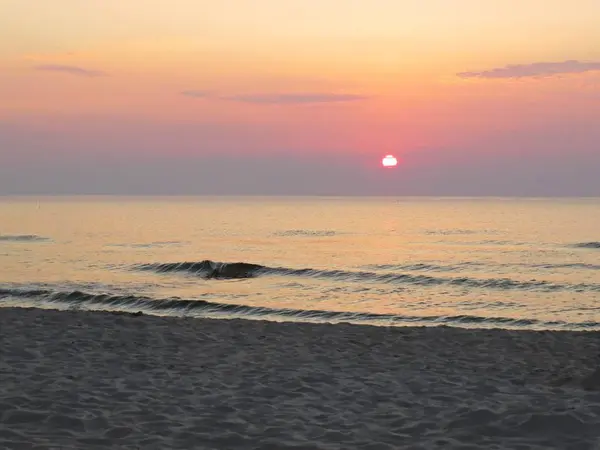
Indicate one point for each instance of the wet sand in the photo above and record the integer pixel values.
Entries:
(75, 379)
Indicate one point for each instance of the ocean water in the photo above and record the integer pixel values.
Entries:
(508, 263)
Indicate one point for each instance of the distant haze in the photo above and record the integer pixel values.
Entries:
(300, 97)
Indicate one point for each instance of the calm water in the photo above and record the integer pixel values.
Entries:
(528, 263)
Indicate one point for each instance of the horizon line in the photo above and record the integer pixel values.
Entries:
(42, 196)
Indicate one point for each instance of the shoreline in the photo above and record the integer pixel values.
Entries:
(92, 379)
(230, 311)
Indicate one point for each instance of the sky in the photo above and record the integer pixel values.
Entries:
(271, 97)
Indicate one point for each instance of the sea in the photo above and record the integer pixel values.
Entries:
(516, 263)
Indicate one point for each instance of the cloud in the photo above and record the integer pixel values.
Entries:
(196, 94)
(71, 70)
(538, 69)
(295, 99)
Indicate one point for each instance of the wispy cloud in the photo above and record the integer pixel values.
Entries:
(279, 99)
(71, 70)
(534, 70)
(196, 94)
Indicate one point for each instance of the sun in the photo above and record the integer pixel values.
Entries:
(389, 161)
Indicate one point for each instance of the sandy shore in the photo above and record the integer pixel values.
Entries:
(100, 380)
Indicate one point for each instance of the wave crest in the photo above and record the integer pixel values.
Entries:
(208, 269)
(202, 308)
(422, 267)
(593, 245)
(211, 269)
(306, 233)
(21, 238)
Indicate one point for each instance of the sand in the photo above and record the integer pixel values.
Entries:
(86, 380)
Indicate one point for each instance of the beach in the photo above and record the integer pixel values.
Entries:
(76, 379)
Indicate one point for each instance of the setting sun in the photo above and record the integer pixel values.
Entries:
(389, 161)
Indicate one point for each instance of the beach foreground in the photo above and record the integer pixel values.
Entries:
(75, 379)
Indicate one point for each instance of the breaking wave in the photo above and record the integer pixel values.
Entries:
(211, 269)
(202, 308)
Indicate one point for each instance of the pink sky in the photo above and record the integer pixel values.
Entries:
(300, 97)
